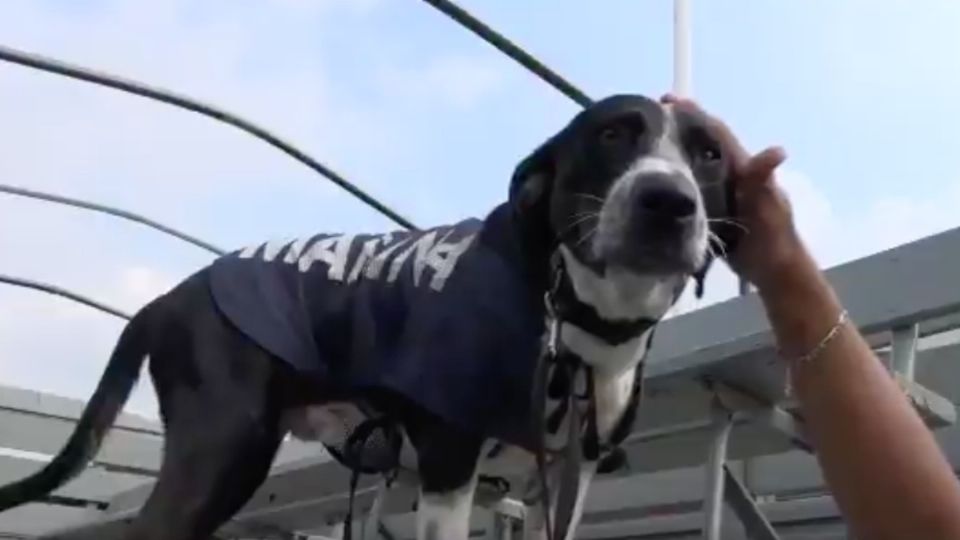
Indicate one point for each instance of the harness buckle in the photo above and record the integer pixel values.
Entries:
(553, 341)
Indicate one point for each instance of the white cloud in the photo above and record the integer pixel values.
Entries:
(876, 225)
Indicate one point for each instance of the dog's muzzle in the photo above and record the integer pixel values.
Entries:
(663, 209)
(655, 223)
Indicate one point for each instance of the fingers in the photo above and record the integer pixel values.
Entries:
(670, 97)
(673, 99)
(753, 170)
(723, 132)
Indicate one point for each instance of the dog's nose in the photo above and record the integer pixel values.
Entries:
(666, 203)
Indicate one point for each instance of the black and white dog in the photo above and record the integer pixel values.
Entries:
(441, 334)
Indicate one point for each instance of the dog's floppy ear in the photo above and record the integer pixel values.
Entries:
(720, 200)
(530, 184)
(530, 190)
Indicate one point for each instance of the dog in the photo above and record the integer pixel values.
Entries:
(509, 347)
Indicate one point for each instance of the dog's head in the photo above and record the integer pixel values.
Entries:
(633, 185)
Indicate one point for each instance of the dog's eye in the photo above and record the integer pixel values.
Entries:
(614, 134)
(622, 133)
(708, 154)
(702, 147)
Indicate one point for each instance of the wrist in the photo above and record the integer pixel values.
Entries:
(801, 304)
(797, 272)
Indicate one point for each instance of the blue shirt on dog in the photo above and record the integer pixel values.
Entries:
(444, 316)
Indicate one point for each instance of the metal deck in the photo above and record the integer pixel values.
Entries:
(726, 346)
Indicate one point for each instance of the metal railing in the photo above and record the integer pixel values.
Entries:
(110, 210)
(60, 291)
(59, 67)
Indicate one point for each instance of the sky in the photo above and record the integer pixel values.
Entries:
(431, 120)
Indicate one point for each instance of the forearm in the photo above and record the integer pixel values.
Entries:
(881, 462)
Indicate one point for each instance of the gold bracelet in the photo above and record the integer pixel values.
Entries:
(815, 352)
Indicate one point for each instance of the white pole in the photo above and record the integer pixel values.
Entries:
(682, 66)
(681, 48)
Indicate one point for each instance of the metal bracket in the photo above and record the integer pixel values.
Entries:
(748, 408)
(903, 351)
(722, 486)
(506, 512)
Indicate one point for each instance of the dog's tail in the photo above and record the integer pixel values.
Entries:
(98, 416)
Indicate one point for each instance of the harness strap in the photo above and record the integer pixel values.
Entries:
(583, 438)
(356, 450)
(348, 519)
(569, 478)
(591, 436)
(538, 409)
(569, 309)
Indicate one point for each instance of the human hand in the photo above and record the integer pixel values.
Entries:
(770, 245)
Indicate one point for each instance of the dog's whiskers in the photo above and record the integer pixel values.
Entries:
(579, 218)
(716, 245)
(585, 236)
(729, 221)
(589, 197)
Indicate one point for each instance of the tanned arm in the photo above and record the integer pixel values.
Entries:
(880, 461)
(883, 466)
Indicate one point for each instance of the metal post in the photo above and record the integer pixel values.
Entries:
(713, 496)
(683, 68)
(755, 524)
(502, 527)
(903, 351)
(681, 48)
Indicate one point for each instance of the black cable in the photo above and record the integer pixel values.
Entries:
(50, 65)
(507, 47)
(59, 291)
(77, 203)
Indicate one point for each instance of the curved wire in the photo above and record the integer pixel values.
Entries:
(59, 291)
(50, 65)
(77, 203)
(507, 47)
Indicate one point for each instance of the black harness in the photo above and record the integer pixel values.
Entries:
(583, 439)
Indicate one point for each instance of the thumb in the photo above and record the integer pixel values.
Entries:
(759, 169)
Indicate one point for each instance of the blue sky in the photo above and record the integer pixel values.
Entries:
(430, 119)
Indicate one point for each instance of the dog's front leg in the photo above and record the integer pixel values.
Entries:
(445, 515)
(447, 459)
(534, 524)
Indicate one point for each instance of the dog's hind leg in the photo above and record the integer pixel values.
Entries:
(221, 400)
(207, 476)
